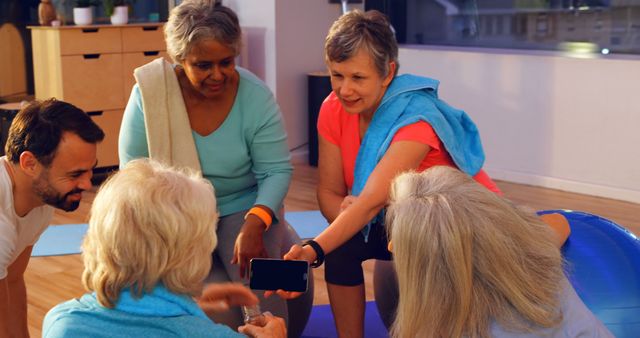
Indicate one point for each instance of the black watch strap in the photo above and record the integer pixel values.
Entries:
(319, 253)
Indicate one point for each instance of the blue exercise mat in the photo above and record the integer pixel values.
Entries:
(66, 239)
(60, 240)
(604, 267)
(322, 325)
(308, 224)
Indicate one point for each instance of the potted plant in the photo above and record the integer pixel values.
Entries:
(83, 12)
(117, 10)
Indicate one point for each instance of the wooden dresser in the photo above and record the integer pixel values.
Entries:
(92, 68)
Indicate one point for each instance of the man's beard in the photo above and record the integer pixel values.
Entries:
(51, 196)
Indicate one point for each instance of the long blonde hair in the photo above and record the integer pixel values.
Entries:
(149, 224)
(466, 257)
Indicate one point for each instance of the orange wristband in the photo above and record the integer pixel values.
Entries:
(262, 215)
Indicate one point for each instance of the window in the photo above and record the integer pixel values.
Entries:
(611, 25)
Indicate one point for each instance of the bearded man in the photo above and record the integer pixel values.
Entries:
(50, 156)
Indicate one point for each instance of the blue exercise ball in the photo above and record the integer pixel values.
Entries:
(603, 264)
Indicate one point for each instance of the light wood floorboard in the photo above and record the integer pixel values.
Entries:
(51, 280)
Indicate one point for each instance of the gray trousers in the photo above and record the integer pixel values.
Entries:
(386, 293)
(277, 241)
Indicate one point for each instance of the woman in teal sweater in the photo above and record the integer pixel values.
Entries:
(205, 113)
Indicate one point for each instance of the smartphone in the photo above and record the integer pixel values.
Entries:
(278, 274)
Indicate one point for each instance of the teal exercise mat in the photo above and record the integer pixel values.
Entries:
(66, 239)
(60, 240)
(322, 325)
(308, 224)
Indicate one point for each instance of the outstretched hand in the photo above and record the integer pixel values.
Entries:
(217, 298)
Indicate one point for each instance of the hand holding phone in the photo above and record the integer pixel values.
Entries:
(278, 274)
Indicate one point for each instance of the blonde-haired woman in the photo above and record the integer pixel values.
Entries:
(146, 254)
(471, 264)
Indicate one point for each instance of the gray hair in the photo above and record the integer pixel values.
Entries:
(149, 224)
(466, 257)
(195, 20)
(370, 30)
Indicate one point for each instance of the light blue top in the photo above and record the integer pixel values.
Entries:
(577, 321)
(410, 99)
(156, 314)
(246, 159)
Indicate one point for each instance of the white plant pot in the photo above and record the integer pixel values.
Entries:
(82, 16)
(120, 15)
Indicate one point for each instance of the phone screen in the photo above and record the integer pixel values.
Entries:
(278, 274)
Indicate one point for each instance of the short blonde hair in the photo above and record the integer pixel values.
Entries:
(466, 257)
(149, 224)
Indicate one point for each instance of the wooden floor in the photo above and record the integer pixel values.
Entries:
(51, 280)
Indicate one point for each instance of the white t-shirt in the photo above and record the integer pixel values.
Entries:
(17, 233)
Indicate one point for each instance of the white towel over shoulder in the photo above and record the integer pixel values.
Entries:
(169, 133)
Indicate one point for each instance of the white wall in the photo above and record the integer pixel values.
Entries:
(257, 18)
(286, 39)
(301, 26)
(546, 120)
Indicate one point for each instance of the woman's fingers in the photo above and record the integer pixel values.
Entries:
(232, 294)
(234, 260)
(294, 253)
(288, 294)
(211, 307)
(217, 298)
(283, 294)
(274, 327)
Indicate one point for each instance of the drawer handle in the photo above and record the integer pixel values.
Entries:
(95, 113)
(153, 28)
(91, 56)
(151, 53)
(90, 30)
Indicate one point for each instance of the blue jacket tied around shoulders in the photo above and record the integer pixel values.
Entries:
(410, 99)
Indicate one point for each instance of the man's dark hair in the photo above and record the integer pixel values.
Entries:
(39, 126)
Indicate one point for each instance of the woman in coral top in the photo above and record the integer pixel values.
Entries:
(370, 130)
(374, 125)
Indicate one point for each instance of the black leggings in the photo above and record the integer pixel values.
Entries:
(343, 266)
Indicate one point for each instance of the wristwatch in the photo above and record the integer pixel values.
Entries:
(319, 252)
